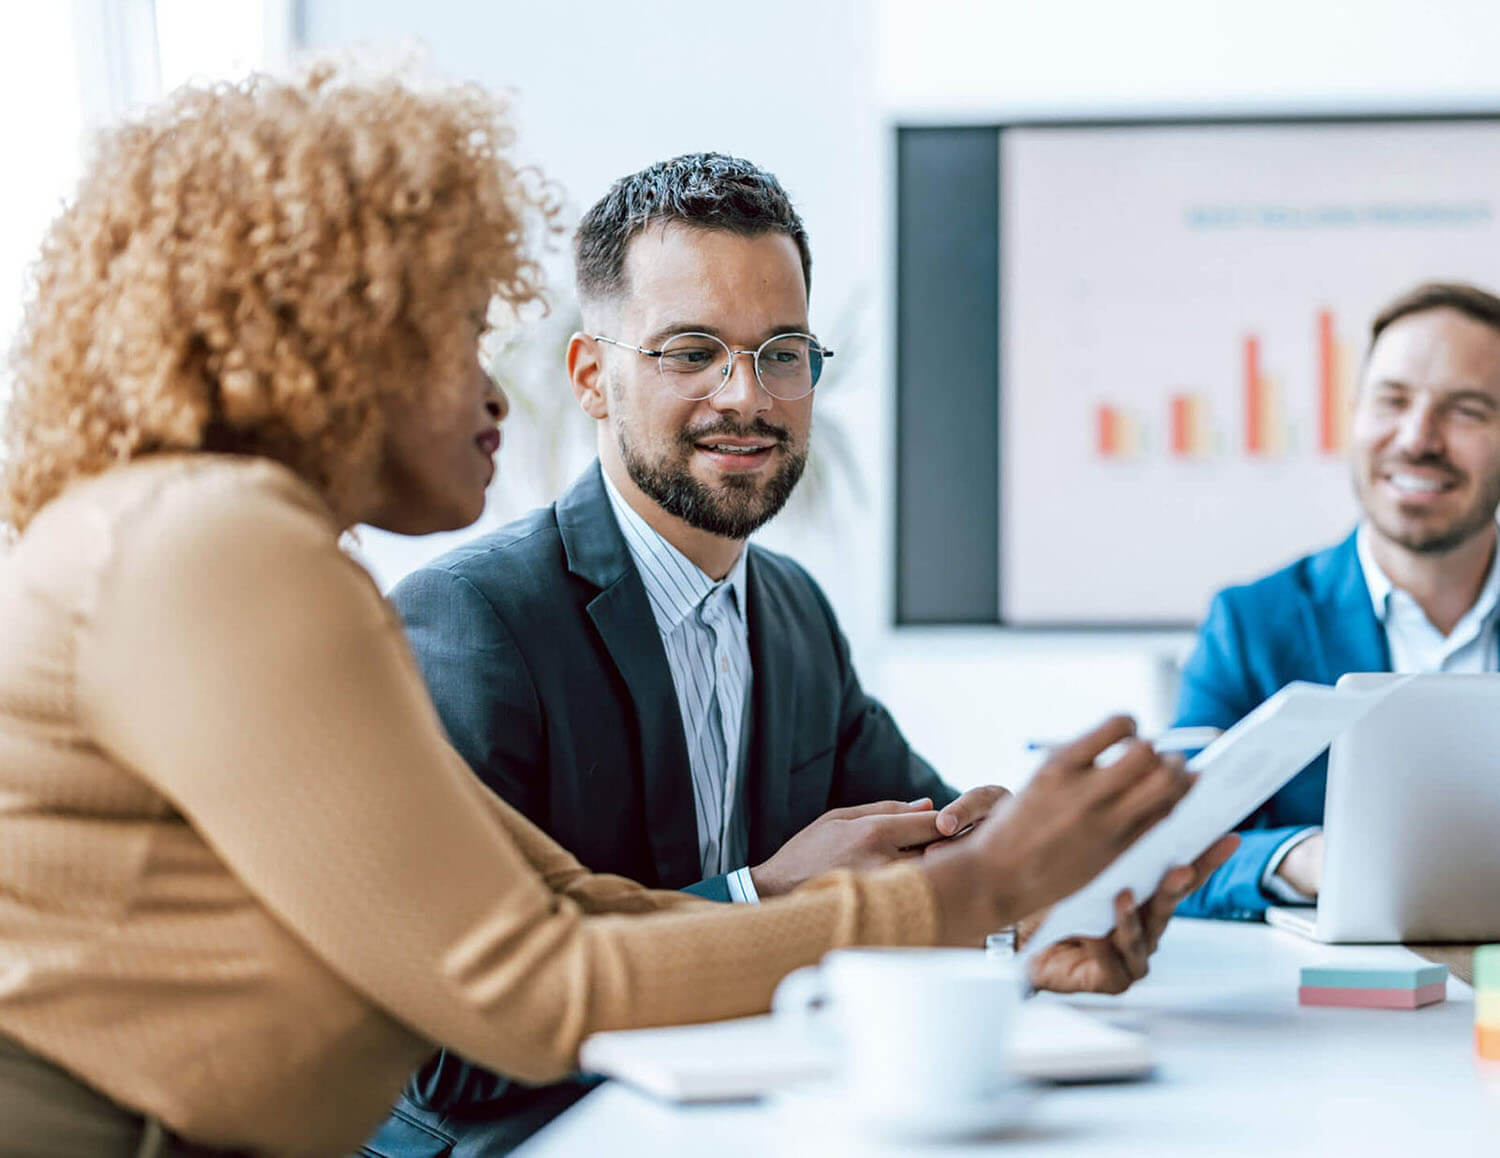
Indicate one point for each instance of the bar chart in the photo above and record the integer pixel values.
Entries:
(1184, 428)
(1182, 314)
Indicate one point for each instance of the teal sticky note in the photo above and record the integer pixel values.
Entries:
(1373, 977)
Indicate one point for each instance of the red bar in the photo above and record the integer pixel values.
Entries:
(1182, 425)
(1255, 435)
(1328, 400)
(1108, 432)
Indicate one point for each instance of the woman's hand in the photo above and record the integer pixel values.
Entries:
(1071, 820)
(1114, 963)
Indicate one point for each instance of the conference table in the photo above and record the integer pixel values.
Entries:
(1242, 1069)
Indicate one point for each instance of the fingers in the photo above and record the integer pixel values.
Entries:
(1138, 760)
(1129, 937)
(1150, 799)
(1082, 751)
(881, 808)
(969, 809)
(1211, 860)
(899, 831)
(1156, 912)
(1178, 883)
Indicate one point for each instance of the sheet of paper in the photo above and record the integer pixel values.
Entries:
(1237, 773)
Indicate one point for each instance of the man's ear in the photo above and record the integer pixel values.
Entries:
(586, 373)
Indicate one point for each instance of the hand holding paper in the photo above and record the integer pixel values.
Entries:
(1113, 963)
(1236, 774)
(1072, 820)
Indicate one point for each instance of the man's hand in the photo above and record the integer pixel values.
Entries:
(863, 837)
(969, 809)
(1114, 963)
(1302, 867)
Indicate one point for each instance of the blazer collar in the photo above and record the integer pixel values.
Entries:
(596, 552)
(773, 712)
(591, 538)
(1351, 638)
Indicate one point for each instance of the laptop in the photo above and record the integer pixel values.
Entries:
(1412, 818)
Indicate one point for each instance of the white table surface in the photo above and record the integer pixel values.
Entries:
(1243, 1070)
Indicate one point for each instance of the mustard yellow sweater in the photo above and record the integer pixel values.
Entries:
(246, 885)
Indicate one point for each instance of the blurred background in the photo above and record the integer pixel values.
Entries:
(820, 92)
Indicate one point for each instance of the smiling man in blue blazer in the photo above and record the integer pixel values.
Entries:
(1415, 588)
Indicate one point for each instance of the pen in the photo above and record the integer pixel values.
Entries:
(1172, 740)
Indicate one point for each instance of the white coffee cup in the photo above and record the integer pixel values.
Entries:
(920, 1029)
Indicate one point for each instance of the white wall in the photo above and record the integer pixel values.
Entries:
(38, 70)
(810, 89)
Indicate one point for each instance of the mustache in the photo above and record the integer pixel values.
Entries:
(1429, 461)
(760, 428)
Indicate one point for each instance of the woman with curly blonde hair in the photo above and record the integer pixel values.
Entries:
(245, 884)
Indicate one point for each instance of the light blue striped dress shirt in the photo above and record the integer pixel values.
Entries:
(703, 629)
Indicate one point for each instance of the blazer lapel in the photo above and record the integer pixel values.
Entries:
(597, 553)
(773, 713)
(1348, 634)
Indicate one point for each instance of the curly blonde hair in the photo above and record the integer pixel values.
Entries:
(242, 269)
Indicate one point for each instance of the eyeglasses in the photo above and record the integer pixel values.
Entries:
(697, 366)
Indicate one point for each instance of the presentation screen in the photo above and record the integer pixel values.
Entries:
(1180, 310)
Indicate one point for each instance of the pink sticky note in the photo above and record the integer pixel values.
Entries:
(1373, 998)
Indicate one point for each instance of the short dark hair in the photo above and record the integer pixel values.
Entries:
(706, 190)
(1471, 301)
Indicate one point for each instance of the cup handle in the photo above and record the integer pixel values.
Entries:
(800, 992)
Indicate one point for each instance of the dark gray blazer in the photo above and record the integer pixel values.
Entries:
(539, 647)
(542, 655)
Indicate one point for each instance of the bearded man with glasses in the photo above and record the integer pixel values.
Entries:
(668, 703)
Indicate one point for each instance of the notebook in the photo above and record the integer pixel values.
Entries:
(730, 1060)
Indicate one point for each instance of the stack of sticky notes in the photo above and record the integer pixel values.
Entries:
(1487, 1001)
(1375, 986)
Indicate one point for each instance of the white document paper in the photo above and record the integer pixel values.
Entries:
(1238, 772)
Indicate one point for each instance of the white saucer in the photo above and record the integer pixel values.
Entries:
(827, 1105)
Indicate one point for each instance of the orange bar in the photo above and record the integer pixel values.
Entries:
(1181, 425)
(1108, 432)
(1328, 395)
(1487, 1041)
(1255, 433)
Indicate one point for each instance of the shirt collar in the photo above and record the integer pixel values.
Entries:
(1382, 589)
(675, 585)
(1376, 581)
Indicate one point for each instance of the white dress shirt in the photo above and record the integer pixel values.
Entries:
(705, 633)
(1415, 646)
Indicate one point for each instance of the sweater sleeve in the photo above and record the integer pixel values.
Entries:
(239, 662)
(561, 872)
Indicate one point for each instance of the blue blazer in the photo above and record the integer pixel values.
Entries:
(1310, 621)
(541, 653)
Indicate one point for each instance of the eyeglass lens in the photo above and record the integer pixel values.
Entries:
(695, 366)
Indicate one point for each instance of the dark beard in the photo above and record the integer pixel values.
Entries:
(738, 508)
